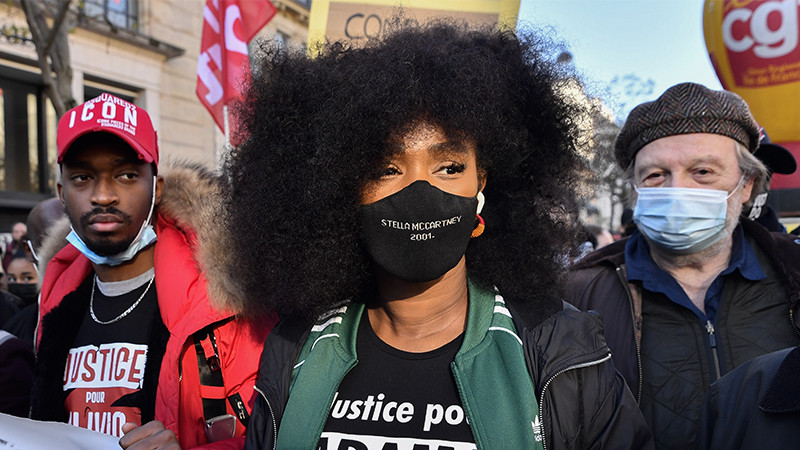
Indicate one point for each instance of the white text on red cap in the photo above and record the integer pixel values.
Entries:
(108, 111)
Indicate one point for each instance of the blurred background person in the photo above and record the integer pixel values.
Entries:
(777, 159)
(596, 238)
(15, 246)
(41, 217)
(626, 224)
(16, 374)
(23, 280)
(602, 236)
(8, 301)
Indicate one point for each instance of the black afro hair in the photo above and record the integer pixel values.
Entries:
(317, 128)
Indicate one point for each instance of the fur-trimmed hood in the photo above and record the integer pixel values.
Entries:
(191, 200)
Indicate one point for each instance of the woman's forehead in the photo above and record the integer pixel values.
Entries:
(425, 135)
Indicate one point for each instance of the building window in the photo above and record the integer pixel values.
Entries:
(28, 169)
(94, 89)
(27, 139)
(118, 13)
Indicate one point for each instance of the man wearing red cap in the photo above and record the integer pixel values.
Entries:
(135, 336)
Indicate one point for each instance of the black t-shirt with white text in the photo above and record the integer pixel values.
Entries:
(395, 400)
(106, 363)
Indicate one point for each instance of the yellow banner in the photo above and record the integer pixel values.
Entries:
(360, 20)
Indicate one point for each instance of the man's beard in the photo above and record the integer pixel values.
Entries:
(105, 246)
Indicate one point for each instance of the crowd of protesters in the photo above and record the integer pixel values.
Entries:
(380, 264)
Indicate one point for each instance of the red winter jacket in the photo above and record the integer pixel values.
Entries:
(190, 297)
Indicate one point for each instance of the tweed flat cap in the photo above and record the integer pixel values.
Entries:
(683, 109)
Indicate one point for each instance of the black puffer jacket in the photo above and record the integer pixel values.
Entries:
(667, 357)
(566, 355)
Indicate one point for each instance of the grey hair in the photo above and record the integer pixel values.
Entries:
(753, 169)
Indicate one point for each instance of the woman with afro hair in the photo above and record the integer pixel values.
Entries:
(405, 208)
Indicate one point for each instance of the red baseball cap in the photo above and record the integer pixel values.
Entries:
(109, 114)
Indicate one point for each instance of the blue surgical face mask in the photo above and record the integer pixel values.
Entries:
(682, 220)
(145, 237)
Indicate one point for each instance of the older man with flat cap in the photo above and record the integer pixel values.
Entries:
(697, 290)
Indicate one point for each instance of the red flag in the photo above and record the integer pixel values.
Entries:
(228, 25)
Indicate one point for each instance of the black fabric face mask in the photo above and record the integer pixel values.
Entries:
(29, 293)
(420, 232)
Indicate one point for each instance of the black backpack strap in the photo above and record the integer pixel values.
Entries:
(212, 386)
(238, 407)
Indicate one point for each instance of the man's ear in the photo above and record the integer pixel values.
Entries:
(159, 179)
(59, 187)
(747, 190)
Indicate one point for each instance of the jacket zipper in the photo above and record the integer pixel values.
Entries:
(550, 380)
(712, 339)
(272, 416)
(624, 279)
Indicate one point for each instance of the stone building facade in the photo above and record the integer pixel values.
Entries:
(145, 51)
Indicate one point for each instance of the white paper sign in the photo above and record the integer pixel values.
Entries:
(24, 434)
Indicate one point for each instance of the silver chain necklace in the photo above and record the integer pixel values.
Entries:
(125, 313)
